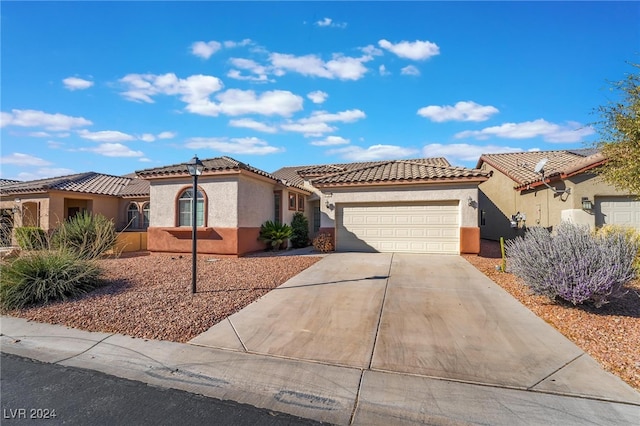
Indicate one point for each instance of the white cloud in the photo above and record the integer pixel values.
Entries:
(308, 129)
(340, 67)
(33, 118)
(231, 44)
(144, 160)
(383, 70)
(105, 136)
(166, 135)
(205, 49)
(40, 135)
(463, 151)
(239, 102)
(347, 116)
(417, 50)
(318, 96)
(461, 111)
(21, 159)
(374, 152)
(410, 70)
(147, 137)
(55, 144)
(253, 146)
(249, 123)
(328, 22)
(371, 50)
(193, 89)
(260, 71)
(550, 132)
(114, 150)
(75, 83)
(43, 173)
(330, 141)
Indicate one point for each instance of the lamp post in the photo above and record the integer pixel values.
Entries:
(194, 167)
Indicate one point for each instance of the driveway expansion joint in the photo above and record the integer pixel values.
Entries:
(85, 351)
(237, 335)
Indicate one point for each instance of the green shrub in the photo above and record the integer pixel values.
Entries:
(275, 234)
(31, 238)
(300, 231)
(575, 265)
(87, 235)
(44, 276)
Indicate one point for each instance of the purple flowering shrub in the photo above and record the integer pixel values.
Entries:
(575, 264)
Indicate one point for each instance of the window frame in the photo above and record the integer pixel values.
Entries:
(133, 222)
(293, 198)
(180, 201)
(300, 202)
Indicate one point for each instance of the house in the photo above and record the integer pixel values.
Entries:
(233, 200)
(421, 205)
(47, 202)
(544, 188)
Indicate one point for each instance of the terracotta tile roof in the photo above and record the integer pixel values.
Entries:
(137, 187)
(211, 165)
(297, 174)
(519, 166)
(400, 171)
(4, 182)
(91, 183)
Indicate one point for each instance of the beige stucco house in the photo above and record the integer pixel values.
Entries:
(565, 188)
(422, 205)
(45, 203)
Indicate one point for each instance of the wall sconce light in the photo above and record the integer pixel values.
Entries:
(327, 204)
(587, 204)
(15, 209)
(470, 201)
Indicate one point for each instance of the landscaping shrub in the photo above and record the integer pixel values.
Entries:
(87, 235)
(300, 231)
(275, 234)
(323, 243)
(44, 276)
(31, 238)
(575, 265)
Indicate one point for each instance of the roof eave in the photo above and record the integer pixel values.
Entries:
(470, 179)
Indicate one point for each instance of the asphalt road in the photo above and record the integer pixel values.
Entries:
(33, 392)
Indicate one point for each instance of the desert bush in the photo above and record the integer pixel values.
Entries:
(628, 233)
(275, 234)
(44, 276)
(575, 265)
(323, 243)
(31, 238)
(87, 235)
(300, 231)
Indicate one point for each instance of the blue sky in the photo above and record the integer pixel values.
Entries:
(115, 87)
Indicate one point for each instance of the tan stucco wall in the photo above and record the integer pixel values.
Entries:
(255, 202)
(399, 193)
(540, 205)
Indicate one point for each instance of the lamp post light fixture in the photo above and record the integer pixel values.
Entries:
(195, 168)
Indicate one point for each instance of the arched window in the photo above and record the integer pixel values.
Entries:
(133, 216)
(145, 215)
(184, 208)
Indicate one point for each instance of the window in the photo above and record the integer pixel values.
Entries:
(145, 215)
(133, 216)
(277, 203)
(301, 203)
(292, 201)
(185, 208)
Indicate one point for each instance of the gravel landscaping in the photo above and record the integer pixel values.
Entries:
(150, 296)
(610, 334)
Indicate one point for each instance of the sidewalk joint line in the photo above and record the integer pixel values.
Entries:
(237, 335)
(86, 350)
(384, 300)
(357, 399)
(555, 371)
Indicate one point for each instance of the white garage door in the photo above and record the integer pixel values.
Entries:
(617, 211)
(427, 227)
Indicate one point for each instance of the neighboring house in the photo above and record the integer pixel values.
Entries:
(47, 202)
(233, 200)
(516, 196)
(422, 205)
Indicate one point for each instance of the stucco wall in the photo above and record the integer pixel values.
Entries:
(434, 192)
(255, 202)
(221, 200)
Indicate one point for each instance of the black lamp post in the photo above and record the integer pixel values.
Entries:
(195, 167)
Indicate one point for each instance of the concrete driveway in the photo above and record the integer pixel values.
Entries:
(426, 316)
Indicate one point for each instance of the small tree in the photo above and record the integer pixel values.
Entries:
(300, 231)
(619, 130)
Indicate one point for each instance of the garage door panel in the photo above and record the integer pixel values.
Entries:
(427, 227)
(617, 211)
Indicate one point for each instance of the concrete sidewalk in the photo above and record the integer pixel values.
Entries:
(367, 339)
